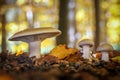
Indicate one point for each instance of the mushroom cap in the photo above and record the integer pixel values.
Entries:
(86, 42)
(104, 47)
(35, 34)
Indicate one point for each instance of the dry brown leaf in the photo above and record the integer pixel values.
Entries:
(61, 51)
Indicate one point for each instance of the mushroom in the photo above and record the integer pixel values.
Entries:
(105, 49)
(87, 47)
(34, 36)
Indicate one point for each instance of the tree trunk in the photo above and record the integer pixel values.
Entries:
(3, 21)
(63, 23)
(3, 33)
(97, 19)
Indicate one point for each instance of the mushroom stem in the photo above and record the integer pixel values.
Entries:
(86, 52)
(34, 48)
(105, 56)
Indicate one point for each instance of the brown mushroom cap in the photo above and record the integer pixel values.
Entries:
(35, 34)
(105, 47)
(86, 42)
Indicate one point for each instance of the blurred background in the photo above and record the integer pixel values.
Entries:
(98, 20)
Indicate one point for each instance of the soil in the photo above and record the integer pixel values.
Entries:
(73, 67)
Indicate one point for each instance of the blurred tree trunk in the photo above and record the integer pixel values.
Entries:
(71, 24)
(3, 21)
(97, 19)
(3, 34)
(63, 24)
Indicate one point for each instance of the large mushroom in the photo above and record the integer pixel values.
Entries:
(105, 49)
(86, 46)
(34, 36)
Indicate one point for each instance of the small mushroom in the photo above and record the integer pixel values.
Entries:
(87, 47)
(105, 49)
(34, 36)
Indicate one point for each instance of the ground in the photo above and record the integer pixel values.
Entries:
(49, 67)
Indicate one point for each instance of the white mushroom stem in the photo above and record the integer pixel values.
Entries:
(35, 48)
(86, 52)
(105, 56)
